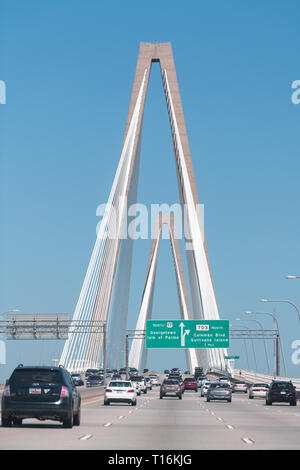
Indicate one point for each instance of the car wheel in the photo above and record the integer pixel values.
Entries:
(145, 391)
(202, 395)
(250, 396)
(6, 421)
(268, 402)
(229, 400)
(196, 390)
(76, 420)
(133, 403)
(293, 403)
(161, 397)
(68, 422)
(207, 399)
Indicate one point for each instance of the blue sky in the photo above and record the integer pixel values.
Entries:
(69, 68)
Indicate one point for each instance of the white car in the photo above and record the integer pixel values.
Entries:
(258, 390)
(240, 387)
(154, 379)
(141, 382)
(204, 388)
(120, 391)
(148, 383)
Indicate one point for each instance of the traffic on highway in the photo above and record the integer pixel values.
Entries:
(170, 411)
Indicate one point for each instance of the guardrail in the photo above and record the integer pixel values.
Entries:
(253, 376)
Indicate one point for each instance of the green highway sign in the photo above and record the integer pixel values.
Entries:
(231, 357)
(185, 334)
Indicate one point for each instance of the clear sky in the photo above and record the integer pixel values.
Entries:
(68, 67)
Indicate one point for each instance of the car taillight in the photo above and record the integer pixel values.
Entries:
(130, 391)
(6, 391)
(273, 390)
(108, 390)
(64, 392)
(227, 389)
(179, 386)
(293, 391)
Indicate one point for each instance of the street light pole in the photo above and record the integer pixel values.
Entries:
(253, 349)
(104, 354)
(284, 301)
(263, 332)
(127, 356)
(277, 344)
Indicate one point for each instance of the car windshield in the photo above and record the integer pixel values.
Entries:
(120, 384)
(30, 376)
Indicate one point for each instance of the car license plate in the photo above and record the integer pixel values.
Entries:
(35, 391)
(283, 393)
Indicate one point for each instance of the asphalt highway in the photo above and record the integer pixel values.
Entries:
(167, 424)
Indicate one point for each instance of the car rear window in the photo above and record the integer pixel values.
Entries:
(281, 386)
(29, 376)
(219, 385)
(260, 385)
(120, 384)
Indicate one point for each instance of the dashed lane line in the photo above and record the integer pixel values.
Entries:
(86, 437)
(247, 440)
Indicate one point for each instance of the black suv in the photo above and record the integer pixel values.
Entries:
(41, 393)
(281, 391)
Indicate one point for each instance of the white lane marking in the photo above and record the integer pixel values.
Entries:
(120, 417)
(247, 440)
(86, 437)
(107, 424)
(220, 419)
(229, 426)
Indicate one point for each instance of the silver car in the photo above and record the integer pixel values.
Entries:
(204, 388)
(219, 391)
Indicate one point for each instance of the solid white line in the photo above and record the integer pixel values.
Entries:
(86, 437)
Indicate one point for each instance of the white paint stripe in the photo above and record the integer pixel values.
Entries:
(220, 419)
(247, 440)
(120, 417)
(229, 426)
(86, 437)
(107, 424)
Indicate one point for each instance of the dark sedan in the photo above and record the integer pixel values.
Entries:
(281, 391)
(94, 381)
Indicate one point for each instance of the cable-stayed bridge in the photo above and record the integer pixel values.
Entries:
(105, 291)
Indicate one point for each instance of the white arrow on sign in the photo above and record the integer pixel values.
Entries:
(183, 334)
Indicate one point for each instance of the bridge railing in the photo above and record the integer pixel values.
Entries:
(252, 377)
